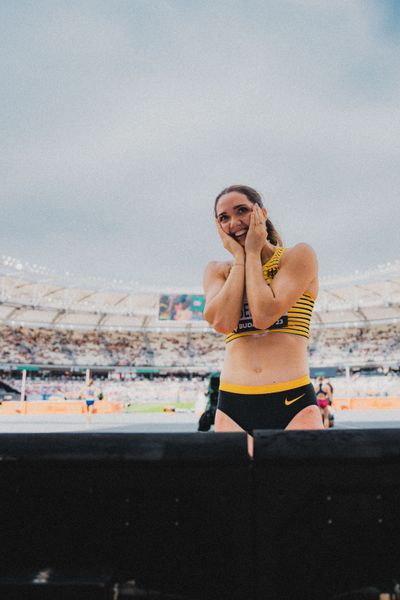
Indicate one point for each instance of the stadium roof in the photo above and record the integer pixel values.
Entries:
(31, 296)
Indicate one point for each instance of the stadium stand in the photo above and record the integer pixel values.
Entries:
(371, 345)
(58, 324)
(357, 346)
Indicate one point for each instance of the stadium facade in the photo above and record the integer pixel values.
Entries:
(362, 305)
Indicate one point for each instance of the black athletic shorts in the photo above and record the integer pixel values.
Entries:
(270, 406)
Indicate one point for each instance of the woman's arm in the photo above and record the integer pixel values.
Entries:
(224, 292)
(224, 295)
(269, 302)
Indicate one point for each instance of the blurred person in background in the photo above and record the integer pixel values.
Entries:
(89, 394)
(324, 399)
(331, 415)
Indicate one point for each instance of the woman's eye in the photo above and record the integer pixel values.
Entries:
(222, 219)
(242, 209)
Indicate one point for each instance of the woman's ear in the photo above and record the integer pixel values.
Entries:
(264, 211)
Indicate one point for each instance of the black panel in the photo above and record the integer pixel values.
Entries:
(316, 514)
(138, 447)
(328, 512)
(171, 511)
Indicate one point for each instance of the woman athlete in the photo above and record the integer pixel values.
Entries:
(262, 300)
(324, 399)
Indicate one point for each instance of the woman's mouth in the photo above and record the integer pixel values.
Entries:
(240, 234)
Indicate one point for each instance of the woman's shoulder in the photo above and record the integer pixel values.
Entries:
(301, 260)
(301, 252)
(300, 247)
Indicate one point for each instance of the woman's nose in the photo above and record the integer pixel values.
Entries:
(235, 223)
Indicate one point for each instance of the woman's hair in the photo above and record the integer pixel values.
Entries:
(254, 197)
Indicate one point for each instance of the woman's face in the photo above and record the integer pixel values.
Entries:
(233, 214)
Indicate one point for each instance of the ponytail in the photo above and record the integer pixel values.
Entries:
(272, 234)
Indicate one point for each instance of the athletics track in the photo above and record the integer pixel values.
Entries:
(165, 423)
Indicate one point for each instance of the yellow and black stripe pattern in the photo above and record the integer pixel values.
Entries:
(296, 321)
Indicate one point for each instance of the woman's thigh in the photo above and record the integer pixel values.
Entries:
(225, 423)
(308, 418)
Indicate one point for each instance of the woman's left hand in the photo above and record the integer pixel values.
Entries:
(257, 233)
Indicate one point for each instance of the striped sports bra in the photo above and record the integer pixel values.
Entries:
(295, 321)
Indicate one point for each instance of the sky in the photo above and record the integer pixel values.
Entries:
(122, 120)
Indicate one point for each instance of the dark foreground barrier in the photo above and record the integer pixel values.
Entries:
(328, 514)
(314, 516)
(171, 511)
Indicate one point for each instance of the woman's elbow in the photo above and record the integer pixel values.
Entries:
(218, 324)
(264, 321)
(222, 327)
(261, 323)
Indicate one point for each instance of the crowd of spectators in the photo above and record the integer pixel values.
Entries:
(340, 347)
(23, 345)
(41, 346)
(360, 384)
(350, 346)
(328, 347)
(124, 389)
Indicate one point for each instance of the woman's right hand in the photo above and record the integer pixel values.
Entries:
(230, 243)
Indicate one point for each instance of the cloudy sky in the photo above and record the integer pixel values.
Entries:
(122, 120)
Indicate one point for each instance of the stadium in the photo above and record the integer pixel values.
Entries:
(141, 347)
(158, 511)
(143, 455)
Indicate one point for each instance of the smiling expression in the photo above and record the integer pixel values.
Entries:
(233, 214)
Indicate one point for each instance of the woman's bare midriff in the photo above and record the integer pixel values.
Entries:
(267, 358)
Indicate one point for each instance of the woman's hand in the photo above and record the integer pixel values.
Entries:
(230, 243)
(257, 233)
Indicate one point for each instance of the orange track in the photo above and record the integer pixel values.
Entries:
(367, 403)
(70, 407)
